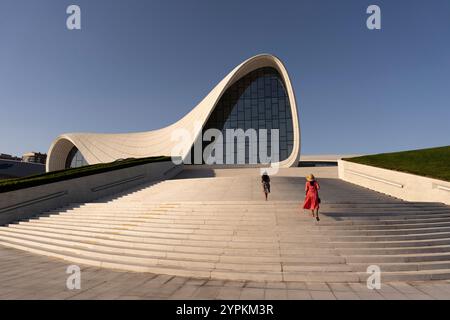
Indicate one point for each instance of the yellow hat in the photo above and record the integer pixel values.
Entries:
(310, 177)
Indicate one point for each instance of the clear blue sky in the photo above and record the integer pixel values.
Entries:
(139, 65)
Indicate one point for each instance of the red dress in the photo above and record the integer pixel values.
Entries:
(312, 196)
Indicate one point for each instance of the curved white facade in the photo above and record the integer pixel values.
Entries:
(102, 148)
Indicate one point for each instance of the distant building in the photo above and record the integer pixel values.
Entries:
(35, 157)
(5, 156)
(14, 167)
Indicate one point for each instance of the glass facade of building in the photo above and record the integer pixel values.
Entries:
(257, 101)
(75, 159)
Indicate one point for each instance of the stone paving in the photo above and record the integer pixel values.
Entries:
(27, 276)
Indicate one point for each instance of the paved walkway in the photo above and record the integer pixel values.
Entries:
(28, 276)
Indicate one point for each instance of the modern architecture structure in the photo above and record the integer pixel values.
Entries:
(257, 94)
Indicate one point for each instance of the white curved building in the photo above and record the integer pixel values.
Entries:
(257, 94)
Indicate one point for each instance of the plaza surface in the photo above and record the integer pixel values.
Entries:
(28, 276)
(236, 246)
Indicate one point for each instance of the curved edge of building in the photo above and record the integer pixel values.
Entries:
(102, 148)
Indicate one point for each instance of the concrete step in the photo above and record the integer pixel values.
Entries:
(245, 240)
(392, 244)
(226, 235)
(394, 251)
(285, 228)
(380, 222)
(101, 253)
(401, 258)
(267, 255)
(222, 272)
(388, 217)
(196, 245)
(226, 228)
(219, 271)
(179, 232)
(383, 226)
(410, 266)
(405, 276)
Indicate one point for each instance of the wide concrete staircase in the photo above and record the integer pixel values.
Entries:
(245, 240)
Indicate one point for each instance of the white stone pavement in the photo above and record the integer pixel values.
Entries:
(28, 276)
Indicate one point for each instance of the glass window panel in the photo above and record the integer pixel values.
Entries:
(255, 101)
(75, 159)
(275, 110)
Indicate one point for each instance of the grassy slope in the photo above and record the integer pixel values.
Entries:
(61, 175)
(433, 163)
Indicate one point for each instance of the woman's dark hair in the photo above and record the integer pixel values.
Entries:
(311, 183)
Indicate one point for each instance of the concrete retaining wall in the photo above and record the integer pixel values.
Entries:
(24, 203)
(16, 169)
(401, 185)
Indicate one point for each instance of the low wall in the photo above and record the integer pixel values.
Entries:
(25, 203)
(17, 169)
(401, 185)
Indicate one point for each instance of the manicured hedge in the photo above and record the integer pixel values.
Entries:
(61, 175)
(432, 163)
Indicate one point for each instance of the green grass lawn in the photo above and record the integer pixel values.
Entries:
(433, 163)
(61, 175)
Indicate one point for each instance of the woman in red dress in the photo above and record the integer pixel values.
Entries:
(312, 196)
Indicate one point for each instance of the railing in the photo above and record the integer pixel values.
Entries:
(443, 188)
(34, 201)
(117, 183)
(395, 184)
